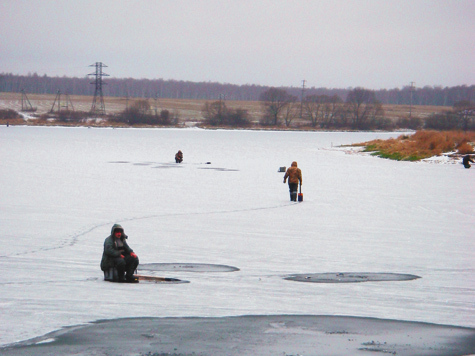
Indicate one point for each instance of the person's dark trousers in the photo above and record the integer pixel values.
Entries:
(293, 187)
(128, 265)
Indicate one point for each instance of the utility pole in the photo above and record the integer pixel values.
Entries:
(126, 101)
(25, 103)
(69, 102)
(57, 98)
(156, 104)
(301, 98)
(410, 106)
(98, 89)
(222, 103)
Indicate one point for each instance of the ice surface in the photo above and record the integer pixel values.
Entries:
(63, 188)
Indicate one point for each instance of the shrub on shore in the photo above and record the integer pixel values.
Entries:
(9, 114)
(422, 144)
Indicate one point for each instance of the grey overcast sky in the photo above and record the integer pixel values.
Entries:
(333, 43)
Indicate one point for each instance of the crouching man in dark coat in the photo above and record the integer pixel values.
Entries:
(466, 161)
(118, 254)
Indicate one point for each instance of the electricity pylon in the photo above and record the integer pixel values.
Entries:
(101, 110)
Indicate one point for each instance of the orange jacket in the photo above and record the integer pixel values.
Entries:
(294, 174)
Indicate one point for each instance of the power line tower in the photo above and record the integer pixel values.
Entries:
(222, 104)
(101, 110)
(58, 99)
(156, 104)
(25, 103)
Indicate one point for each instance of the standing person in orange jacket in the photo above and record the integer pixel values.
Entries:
(294, 174)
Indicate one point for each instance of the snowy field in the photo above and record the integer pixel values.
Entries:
(63, 188)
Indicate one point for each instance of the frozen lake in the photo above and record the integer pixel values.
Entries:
(63, 188)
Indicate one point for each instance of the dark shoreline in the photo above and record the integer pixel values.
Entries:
(252, 335)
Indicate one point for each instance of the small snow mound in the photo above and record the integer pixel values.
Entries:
(347, 149)
(445, 158)
(46, 341)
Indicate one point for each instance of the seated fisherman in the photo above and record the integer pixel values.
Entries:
(179, 157)
(118, 254)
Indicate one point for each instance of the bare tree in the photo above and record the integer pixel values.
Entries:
(321, 109)
(215, 112)
(142, 106)
(275, 101)
(362, 105)
(312, 106)
(290, 112)
(331, 109)
(465, 110)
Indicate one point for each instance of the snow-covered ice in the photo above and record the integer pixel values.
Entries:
(63, 188)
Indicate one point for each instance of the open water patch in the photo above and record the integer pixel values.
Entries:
(350, 277)
(220, 169)
(251, 335)
(187, 267)
(168, 166)
(161, 280)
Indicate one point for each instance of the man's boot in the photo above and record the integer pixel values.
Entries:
(131, 279)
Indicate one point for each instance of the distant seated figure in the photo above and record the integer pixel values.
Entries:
(179, 157)
(466, 161)
(118, 254)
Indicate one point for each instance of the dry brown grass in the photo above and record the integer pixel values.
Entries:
(422, 144)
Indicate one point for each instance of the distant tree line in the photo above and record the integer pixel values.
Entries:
(160, 88)
(360, 111)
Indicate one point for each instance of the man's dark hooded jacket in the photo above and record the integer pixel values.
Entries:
(110, 248)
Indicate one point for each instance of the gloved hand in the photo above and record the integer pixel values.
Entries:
(284, 180)
(122, 256)
(133, 254)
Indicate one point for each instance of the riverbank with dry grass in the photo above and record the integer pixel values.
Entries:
(422, 144)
